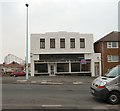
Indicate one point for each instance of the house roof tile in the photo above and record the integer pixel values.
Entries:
(13, 64)
(113, 36)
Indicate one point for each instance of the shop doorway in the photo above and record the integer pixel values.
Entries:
(52, 70)
(97, 69)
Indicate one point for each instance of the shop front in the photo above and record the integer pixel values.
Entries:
(68, 67)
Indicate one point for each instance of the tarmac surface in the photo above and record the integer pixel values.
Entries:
(58, 80)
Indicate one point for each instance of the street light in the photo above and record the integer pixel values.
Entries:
(26, 41)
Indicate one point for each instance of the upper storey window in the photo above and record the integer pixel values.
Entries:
(42, 43)
(113, 58)
(62, 43)
(82, 43)
(52, 43)
(112, 44)
(72, 43)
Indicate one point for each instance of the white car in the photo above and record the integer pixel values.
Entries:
(108, 87)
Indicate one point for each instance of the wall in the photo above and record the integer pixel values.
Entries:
(95, 57)
(88, 50)
(35, 43)
(101, 47)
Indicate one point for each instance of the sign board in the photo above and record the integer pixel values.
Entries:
(83, 61)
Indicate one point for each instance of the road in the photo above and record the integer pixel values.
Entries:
(28, 96)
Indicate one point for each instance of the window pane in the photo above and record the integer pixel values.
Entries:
(72, 43)
(42, 43)
(41, 68)
(108, 44)
(52, 43)
(114, 44)
(85, 67)
(114, 72)
(75, 67)
(82, 43)
(65, 57)
(62, 43)
(62, 67)
(113, 58)
(109, 58)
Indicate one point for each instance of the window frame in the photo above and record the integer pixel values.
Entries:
(111, 59)
(82, 43)
(62, 42)
(110, 44)
(72, 43)
(52, 43)
(42, 43)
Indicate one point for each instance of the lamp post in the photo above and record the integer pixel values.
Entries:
(26, 41)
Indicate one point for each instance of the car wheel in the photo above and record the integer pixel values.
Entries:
(113, 98)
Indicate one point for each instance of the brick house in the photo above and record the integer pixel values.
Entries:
(109, 47)
(8, 68)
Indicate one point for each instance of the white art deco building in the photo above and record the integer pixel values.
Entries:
(60, 53)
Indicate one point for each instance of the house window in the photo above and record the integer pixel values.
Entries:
(42, 43)
(62, 43)
(72, 43)
(112, 44)
(82, 43)
(113, 58)
(52, 43)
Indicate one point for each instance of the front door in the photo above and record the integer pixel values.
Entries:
(52, 72)
(97, 69)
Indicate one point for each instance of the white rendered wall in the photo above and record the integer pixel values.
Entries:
(88, 50)
(35, 43)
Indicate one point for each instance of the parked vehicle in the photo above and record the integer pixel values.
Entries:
(2, 73)
(108, 87)
(18, 73)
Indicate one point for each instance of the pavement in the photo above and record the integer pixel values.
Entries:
(46, 80)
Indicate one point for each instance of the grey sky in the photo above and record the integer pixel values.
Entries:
(98, 17)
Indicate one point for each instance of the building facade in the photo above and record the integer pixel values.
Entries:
(70, 53)
(109, 47)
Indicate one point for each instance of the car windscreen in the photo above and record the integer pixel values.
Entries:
(114, 72)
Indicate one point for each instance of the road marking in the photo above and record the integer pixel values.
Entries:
(77, 82)
(55, 83)
(112, 105)
(33, 82)
(100, 107)
(44, 82)
(21, 80)
(51, 105)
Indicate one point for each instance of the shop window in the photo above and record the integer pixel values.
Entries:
(41, 68)
(75, 67)
(85, 67)
(62, 67)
